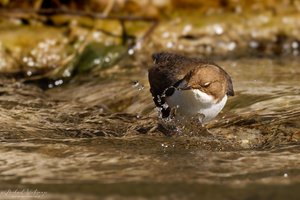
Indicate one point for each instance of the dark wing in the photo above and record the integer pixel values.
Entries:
(167, 72)
(230, 90)
(168, 69)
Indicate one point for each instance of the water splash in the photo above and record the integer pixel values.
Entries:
(137, 85)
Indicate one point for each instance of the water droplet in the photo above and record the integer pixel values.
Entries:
(58, 82)
(138, 85)
(295, 45)
(96, 34)
(285, 175)
(170, 45)
(67, 73)
(231, 46)
(245, 141)
(218, 29)
(30, 63)
(97, 61)
(166, 35)
(29, 73)
(165, 105)
(187, 28)
(164, 145)
(42, 45)
(254, 44)
(158, 99)
(107, 59)
(25, 59)
(131, 51)
(254, 33)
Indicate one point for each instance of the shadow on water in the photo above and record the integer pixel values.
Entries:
(86, 139)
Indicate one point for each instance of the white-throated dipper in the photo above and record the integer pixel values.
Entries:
(190, 86)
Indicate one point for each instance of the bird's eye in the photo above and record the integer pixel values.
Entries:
(206, 84)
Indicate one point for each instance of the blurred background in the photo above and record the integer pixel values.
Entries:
(77, 120)
(219, 28)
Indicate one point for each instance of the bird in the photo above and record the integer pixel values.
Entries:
(185, 87)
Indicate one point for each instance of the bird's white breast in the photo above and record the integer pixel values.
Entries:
(193, 102)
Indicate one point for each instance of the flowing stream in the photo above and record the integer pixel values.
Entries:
(101, 137)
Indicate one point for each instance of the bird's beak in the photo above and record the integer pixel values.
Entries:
(184, 87)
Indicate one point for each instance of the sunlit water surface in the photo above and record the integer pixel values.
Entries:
(99, 137)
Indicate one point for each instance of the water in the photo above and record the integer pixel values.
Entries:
(99, 137)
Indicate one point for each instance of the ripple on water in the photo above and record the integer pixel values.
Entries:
(85, 133)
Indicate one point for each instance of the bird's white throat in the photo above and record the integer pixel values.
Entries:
(190, 103)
